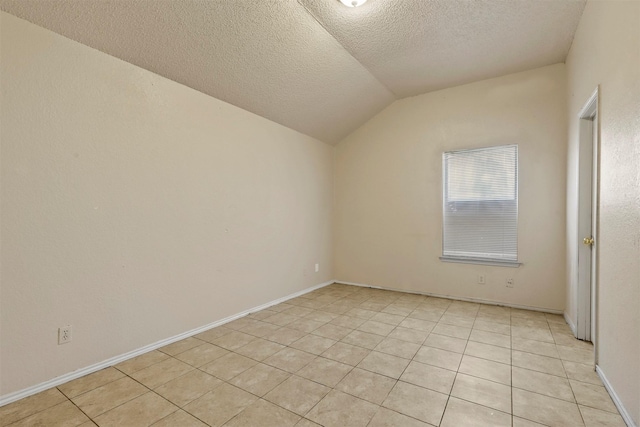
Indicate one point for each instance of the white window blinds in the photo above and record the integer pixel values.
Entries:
(480, 205)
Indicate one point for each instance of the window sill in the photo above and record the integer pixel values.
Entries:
(494, 262)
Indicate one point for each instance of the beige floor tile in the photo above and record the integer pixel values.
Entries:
(180, 346)
(108, 396)
(460, 413)
(233, 340)
(321, 316)
(529, 333)
(547, 365)
(398, 348)
(483, 392)
(452, 331)
(361, 313)
(573, 354)
(444, 342)
(581, 372)
(228, 366)
(568, 340)
(521, 422)
(431, 315)
(450, 319)
(333, 332)
(366, 385)
(488, 326)
(240, 323)
(181, 419)
(535, 347)
(160, 373)
(325, 371)
(545, 410)
(486, 369)
(305, 325)
(504, 319)
(437, 357)
(307, 423)
(417, 402)
(90, 382)
(388, 418)
(220, 405)
(597, 418)
(385, 364)
(492, 338)
(188, 387)
(260, 379)
(260, 329)
(363, 339)
(339, 409)
(346, 353)
(427, 376)
(391, 319)
(264, 414)
(410, 335)
(313, 344)
(377, 328)
(461, 310)
(530, 323)
(528, 314)
(63, 414)
(348, 321)
(202, 355)
(285, 336)
(593, 396)
(299, 311)
(297, 394)
(546, 384)
(489, 352)
(140, 362)
(281, 319)
(261, 315)
(141, 411)
(419, 324)
(260, 349)
(399, 310)
(213, 333)
(30, 405)
(290, 359)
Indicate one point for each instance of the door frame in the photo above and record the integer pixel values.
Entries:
(588, 191)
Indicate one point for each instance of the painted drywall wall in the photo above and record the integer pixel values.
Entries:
(388, 189)
(606, 52)
(135, 209)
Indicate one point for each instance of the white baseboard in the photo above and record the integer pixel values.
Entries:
(616, 400)
(20, 394)
(478, 300)
(571, 325)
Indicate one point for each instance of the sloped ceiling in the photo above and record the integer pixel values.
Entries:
(317, 66)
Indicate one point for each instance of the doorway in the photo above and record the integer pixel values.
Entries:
(588, 161)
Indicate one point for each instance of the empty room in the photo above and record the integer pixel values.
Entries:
(320, 213)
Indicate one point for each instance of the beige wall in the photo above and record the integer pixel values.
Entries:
(388, 189)
(606, 52)
(135, 209)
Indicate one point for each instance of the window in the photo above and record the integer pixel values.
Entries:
(480, 205)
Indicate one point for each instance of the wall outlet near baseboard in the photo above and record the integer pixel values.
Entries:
(64, 334)
(317, 267)
(510, 282)
(482, 279)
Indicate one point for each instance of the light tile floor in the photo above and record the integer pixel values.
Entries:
(347, 356)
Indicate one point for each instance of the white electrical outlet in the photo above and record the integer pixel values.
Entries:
(482, 279)
(317, 267)
(510, 283)
(64, 334)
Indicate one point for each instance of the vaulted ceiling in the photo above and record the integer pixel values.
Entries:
(317, 66)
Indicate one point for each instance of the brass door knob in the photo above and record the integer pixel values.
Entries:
(588, 241)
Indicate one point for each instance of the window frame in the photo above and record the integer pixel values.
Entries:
(472, 258)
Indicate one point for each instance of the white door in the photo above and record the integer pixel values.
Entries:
(587, 220)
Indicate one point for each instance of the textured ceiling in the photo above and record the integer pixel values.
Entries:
(316, 66)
